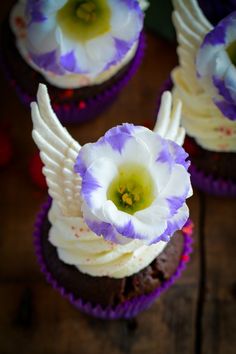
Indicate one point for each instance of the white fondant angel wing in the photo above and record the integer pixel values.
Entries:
(191, 27)
(168, 119)
(58, 151)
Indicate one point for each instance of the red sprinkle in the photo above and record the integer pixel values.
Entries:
(188, 229)
(68, 93)
(185, 258)
(82, 105)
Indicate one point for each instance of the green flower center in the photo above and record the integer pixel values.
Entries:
(133, 189)
(231, 50)
(83, 20)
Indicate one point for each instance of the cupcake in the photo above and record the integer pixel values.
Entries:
(205, 81)
(85, 51)
(115, 231)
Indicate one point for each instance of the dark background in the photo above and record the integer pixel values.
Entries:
(196, 315)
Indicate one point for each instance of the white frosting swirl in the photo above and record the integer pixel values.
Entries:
(201, 118)
(79, 246)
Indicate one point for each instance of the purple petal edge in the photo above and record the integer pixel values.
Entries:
(128, 309)
(47, 61)
(227, 109)
(218, 35)
(208, 184)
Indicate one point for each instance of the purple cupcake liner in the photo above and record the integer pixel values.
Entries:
(211, 185)
(206, 183)
(129, 308)
(83, 110)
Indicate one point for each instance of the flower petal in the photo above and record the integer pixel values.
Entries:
(127, 20)
(96, 181)
(101, 162)
(174, 224)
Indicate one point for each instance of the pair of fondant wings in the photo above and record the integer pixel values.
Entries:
(59, 150)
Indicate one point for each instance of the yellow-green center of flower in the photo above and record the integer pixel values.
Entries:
(86, 11)
(133, 189)
(82, 20)
(231, 50)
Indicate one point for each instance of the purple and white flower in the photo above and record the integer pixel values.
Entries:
(216, 65)
(81, 37)
(123, 199)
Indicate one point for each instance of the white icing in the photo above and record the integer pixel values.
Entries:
(201, 118)
(91, 254)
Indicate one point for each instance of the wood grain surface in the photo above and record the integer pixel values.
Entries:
(195, 316)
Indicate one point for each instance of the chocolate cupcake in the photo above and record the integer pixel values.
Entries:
(106, 297)
(83, 50)
(114, 219)
(205, 81)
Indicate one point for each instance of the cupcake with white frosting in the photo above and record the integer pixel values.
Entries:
(109, 238)
(205, 81)
(85, 51)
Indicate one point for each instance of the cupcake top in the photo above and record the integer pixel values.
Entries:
(205, 79)
(116, 202)
(75, 43)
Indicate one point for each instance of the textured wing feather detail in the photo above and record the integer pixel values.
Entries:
(58, 151)
(191, 27)
(168, 119)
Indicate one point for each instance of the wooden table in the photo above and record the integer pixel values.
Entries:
(196, 315)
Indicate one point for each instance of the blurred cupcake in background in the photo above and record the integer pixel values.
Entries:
(116, 231)
(85, 51)
(205, 81)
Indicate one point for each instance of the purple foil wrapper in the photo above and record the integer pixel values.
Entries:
(211, 185)
(127, 309)
(206, 183)
(73, 112)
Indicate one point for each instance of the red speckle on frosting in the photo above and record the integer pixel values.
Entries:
(19, 22)
(225, 130)
(229, 131)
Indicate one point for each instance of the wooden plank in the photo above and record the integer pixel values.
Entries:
(219, 308)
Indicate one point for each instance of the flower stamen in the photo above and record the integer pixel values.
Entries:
(132, 190)
(127, 199)
(86, 11)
